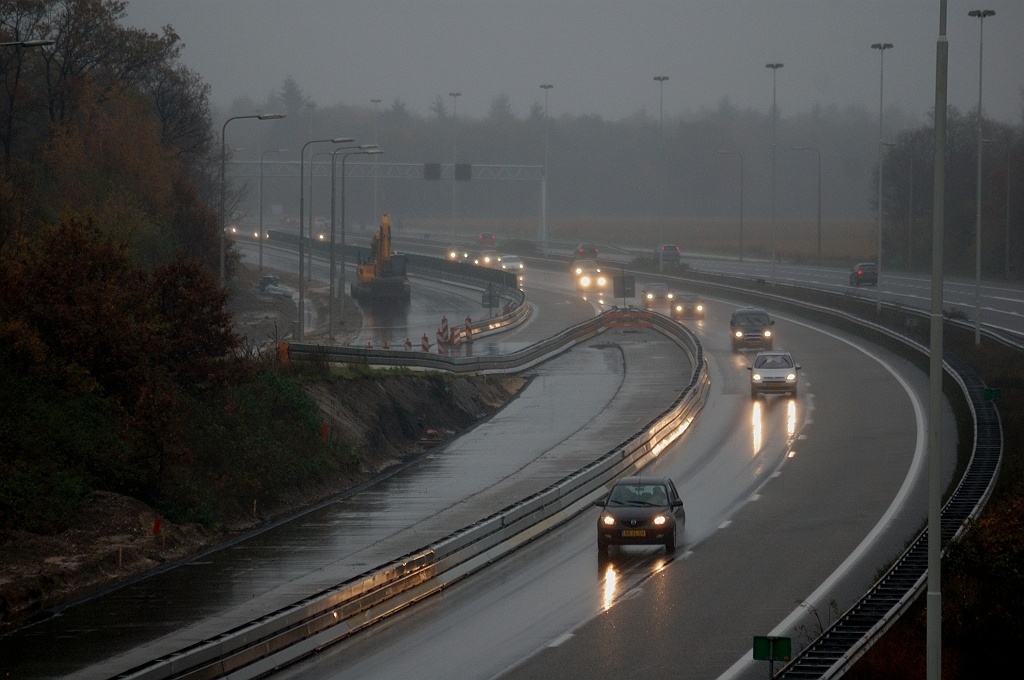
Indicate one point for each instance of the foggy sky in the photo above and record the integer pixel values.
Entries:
(600, 55)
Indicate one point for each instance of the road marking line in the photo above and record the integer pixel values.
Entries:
(725, 524)
(560, 639)
(814, 598)
(755, 496)
(776, 474)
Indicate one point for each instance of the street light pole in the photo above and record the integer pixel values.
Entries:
(775, 68)
(661, 111)
(980, 14)
(455, 100)
(544, 178)
(376, 140)
(933, 649)
(302, 213)
(312, 215)
(818, 154)
(1006, 245)
(261, 202)
(740, 154)
(881, 47)
(223, 155)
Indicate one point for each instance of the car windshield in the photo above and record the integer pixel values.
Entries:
(638, 495)
(657, 288)
(867, 266)
(585, 264)
(690, 298)
(752, 319)
(773, 361)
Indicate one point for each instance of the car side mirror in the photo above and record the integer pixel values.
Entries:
(773, 322)
(677, 503)
(798, 367)
(750, 368)
(600, 503)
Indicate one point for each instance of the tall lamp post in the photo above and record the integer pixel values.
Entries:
(775, 69)
(661, 110)
(302, 213)
(980, 14)
(544, 178)
(455, 100)
(881, 47)
(376, 140)
(933, 644)
(367, 149)
(740, 154)
(818, 154)
(312, 217)
(261, 202)
(1006, 245)
(223, 155)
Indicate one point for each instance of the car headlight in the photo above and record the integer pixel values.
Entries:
(579, 271)
(659, 520)
(520, 265)
(601, 281)
(700, 308)
(585, 281)
(487, 259)
(791, 377)
(679, 308)
(476, 261)
(757, 377)
(739, 334)
(453, 255)
(255, 234)
(608, 520)
(650, 296)
(671, 295)
(767, 334)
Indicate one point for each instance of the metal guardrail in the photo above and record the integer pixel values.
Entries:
(836, 650)
(284, 636)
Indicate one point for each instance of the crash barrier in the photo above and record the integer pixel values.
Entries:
(835, 651)
(504, 284)
(506, 363)
(291, 633)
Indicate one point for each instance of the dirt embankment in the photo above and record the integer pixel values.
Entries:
(385, 418)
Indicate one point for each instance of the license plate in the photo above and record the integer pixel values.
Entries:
(634, 532)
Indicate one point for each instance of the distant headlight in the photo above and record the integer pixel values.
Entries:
(659, 520)
(476, 261)
(757, 377)
(233, 230)
(671, 295)
(608, 520)
(739, 334)
(585, 281)
(679, 308)
(579, 271)
(767, 334)
(650, 296)
(453, 255)
(255, 234)
(487, 259)
(520, 265)
(791, 377)
(600, 281)
(700, 308)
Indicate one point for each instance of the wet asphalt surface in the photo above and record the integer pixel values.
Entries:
(764, 529)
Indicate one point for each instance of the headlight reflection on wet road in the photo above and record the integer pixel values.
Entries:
(756, 422)
(609, 587)
(791, 417)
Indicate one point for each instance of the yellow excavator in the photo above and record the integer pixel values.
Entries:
(381, 276)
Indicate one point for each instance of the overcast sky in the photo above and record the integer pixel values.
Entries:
(600, 55)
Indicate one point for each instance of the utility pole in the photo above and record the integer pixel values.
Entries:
(775, 68)
(881, 47)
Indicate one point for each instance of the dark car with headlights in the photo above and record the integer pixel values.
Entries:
(640, 511)
(657, 292)
(865, 273)
(751, 327)
(688, 305)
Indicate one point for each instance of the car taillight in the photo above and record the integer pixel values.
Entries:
(859, 272)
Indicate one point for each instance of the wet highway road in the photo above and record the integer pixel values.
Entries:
(576, 407)
(763, 531)
(1002, 304)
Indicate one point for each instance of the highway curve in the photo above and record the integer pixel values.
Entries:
(779, 496)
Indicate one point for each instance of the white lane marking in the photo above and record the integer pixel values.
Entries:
(560, 639)
(686, 555)
(725, 524)
(755, 496)
(915, 468)
(776, 474)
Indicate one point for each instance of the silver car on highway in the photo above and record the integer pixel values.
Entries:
(773, 373)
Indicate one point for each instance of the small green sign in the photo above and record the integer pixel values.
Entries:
(992, 393)
(769, 648)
